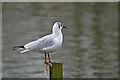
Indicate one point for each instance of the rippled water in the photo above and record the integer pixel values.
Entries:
(90, 47)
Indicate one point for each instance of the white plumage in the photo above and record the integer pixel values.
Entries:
(46, 44)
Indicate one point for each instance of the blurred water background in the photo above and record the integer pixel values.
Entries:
(90, 47)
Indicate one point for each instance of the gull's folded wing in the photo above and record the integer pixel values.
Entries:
(40, 44)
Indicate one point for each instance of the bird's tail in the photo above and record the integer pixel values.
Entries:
(24, 51)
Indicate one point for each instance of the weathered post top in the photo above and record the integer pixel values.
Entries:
(53, 71)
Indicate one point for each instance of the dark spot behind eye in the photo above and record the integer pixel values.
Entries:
(59, 26)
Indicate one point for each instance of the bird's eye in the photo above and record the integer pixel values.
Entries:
(61, 24)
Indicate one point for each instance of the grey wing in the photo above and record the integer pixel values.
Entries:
(40, 43)
(46, 42)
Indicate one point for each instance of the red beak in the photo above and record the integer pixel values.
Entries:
(64, 27)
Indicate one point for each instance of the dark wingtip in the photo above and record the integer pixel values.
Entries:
(14, 48)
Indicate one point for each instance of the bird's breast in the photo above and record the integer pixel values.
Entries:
(58, 41)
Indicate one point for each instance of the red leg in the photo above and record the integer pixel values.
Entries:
(49, 58)
(45, 58)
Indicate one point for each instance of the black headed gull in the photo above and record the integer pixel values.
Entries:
(46, 44)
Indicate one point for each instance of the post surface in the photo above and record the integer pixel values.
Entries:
(46, 70)
(53, 70)
(57, 70)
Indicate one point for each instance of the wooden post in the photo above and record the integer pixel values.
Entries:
(53, 70)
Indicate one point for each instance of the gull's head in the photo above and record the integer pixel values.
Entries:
(57, 27)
